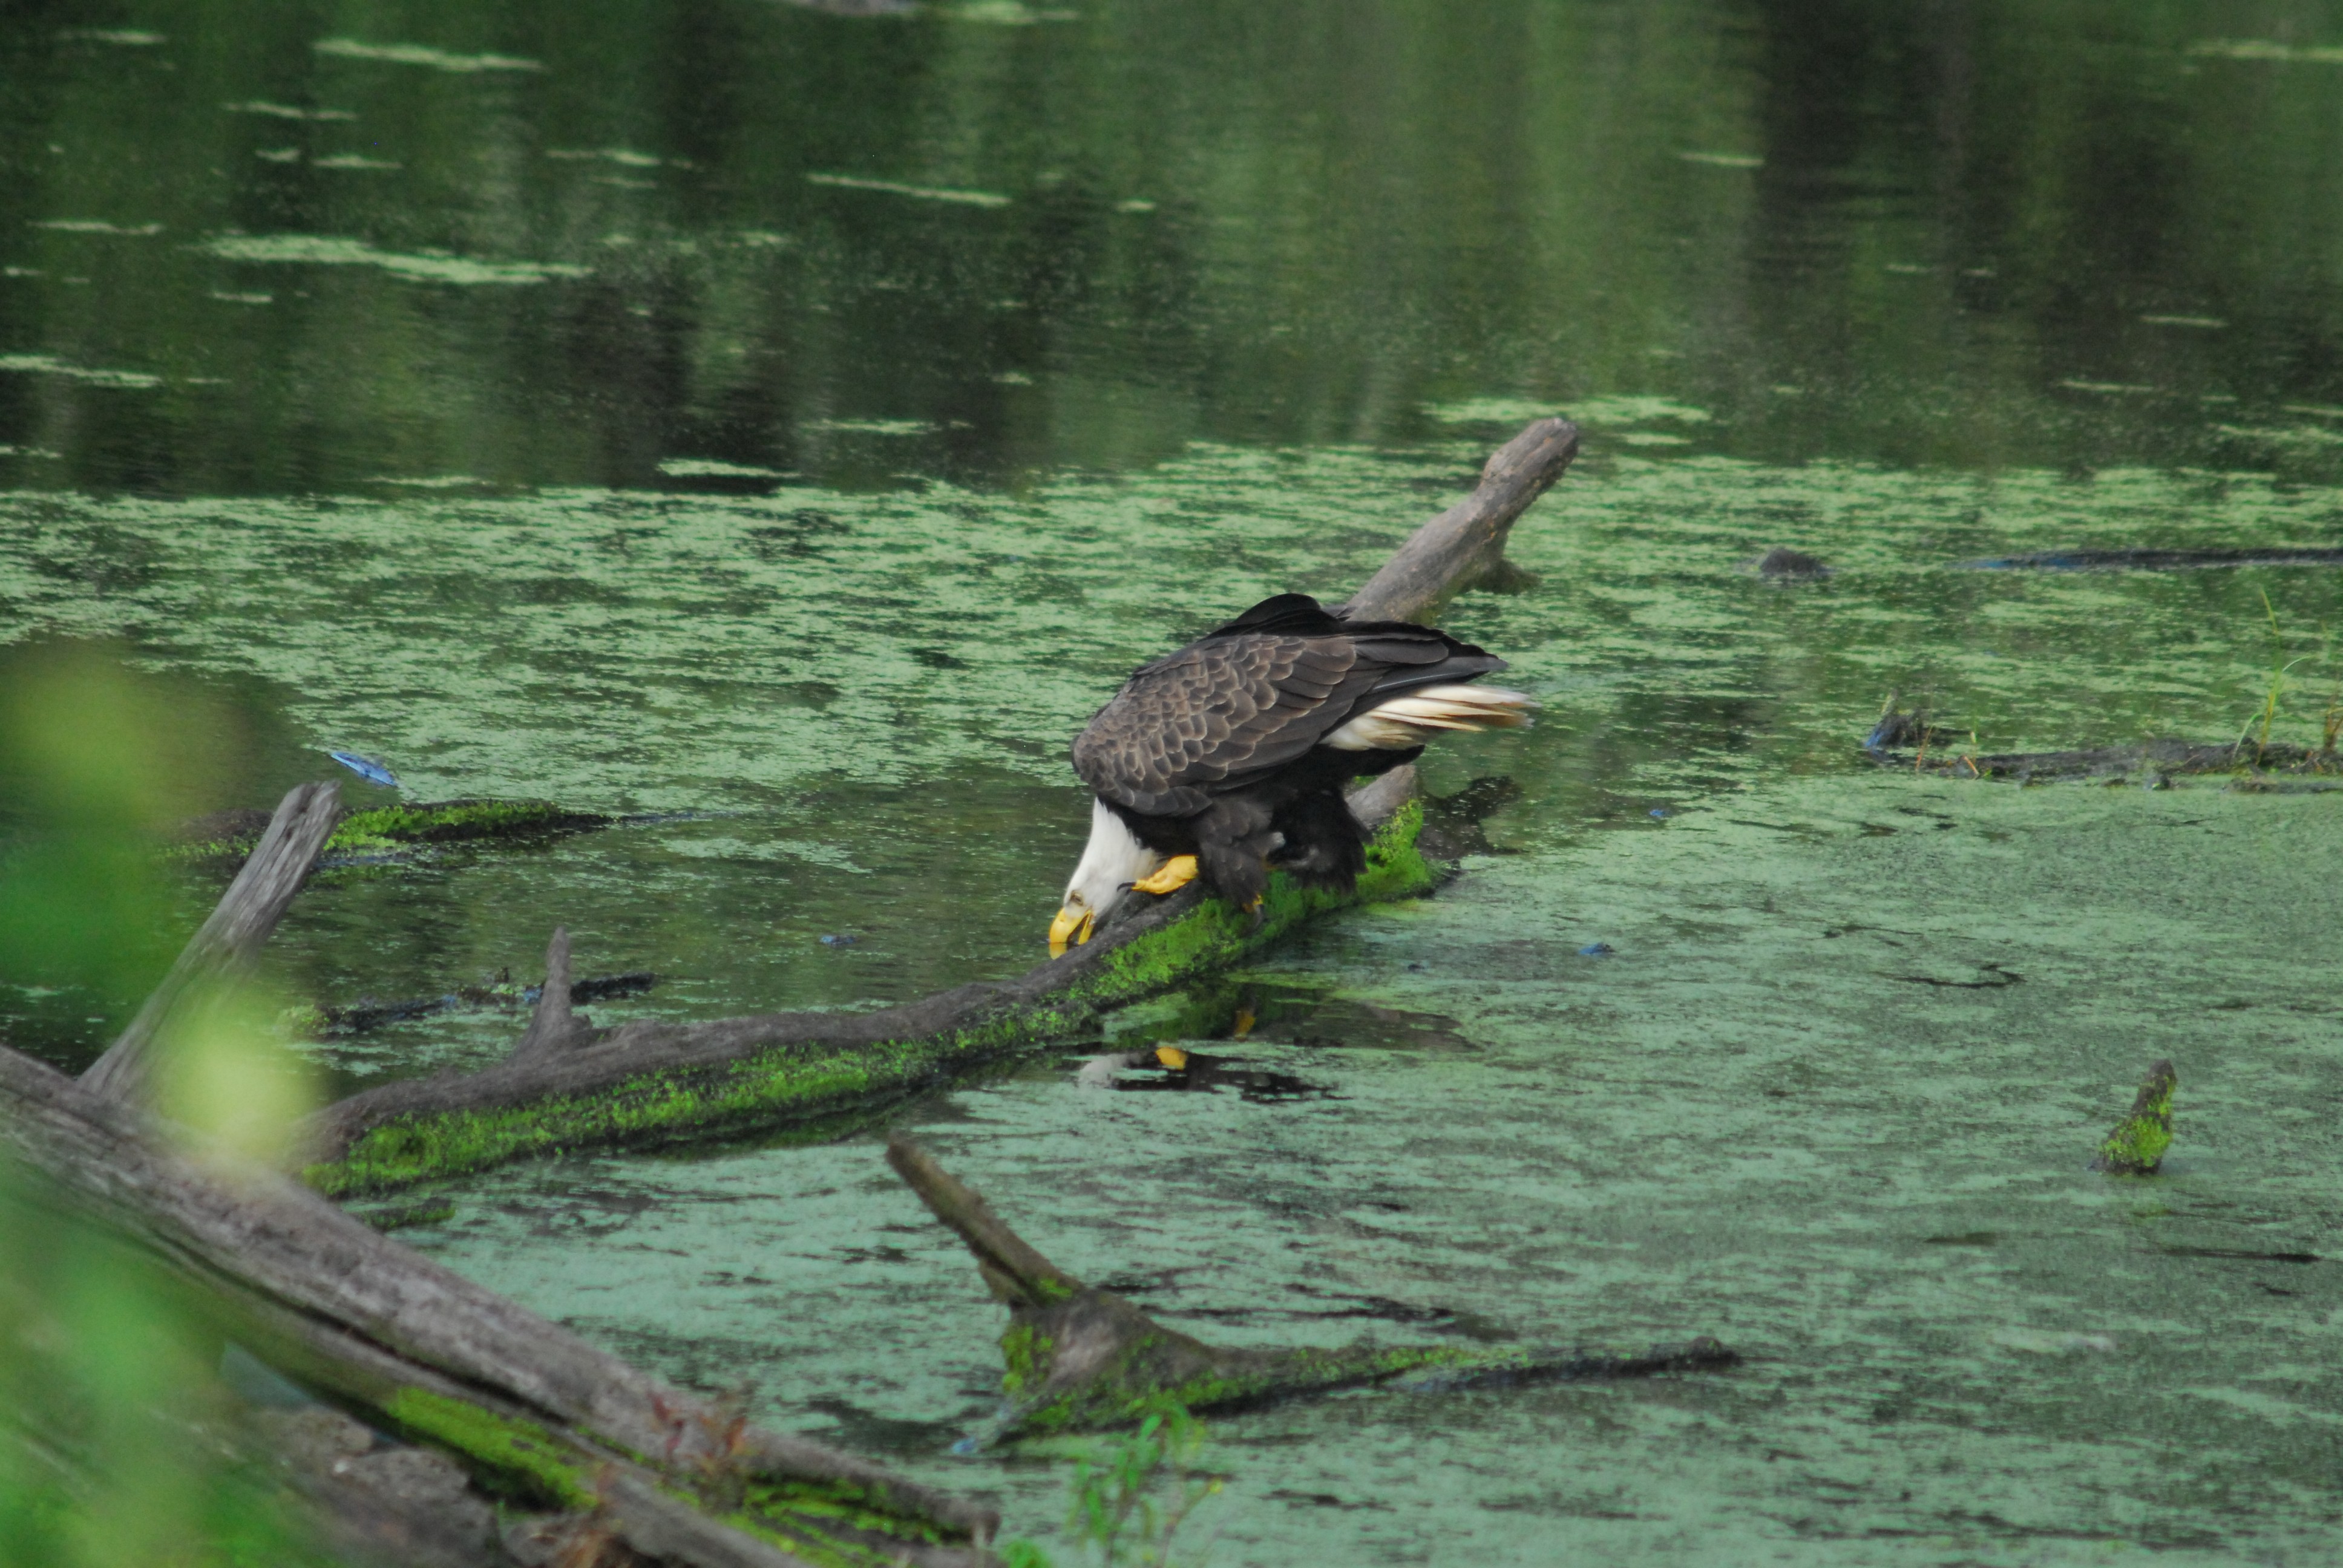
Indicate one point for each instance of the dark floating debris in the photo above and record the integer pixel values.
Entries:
(2153, 561)
(1597, 950)
(1895, 728)
(2137, 1146)
(1780, 564)
(364, 1014)
(373, 770)
(838, 939)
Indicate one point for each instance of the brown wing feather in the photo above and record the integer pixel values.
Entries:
(1217, 712)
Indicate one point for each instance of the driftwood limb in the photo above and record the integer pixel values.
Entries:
(228, 943)
(1080, 1357)
(663, 1080)
(554, 1024)
(2153, 759)
(415, 1348)
(1464, 547)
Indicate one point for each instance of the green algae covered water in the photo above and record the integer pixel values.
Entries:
(780, 427)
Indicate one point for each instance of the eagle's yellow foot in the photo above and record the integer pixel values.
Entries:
(1171, 1056)
(1170, 877)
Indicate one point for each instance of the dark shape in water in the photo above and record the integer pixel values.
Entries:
(2136, 1145)
(1188, 1070)
(837, 940)
(2155, 560)
(1452, 823)
(1895, 730)
(1659, 813)
(1597, 950)
(1780, 564)
(363, 1014)
(373, 770)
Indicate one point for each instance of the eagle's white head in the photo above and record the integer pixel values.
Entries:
(1114, 860)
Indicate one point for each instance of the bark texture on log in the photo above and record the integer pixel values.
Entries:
(225, 945)
(376, 1326)
(1079, 1357)
(1459, 549)
(1464, 547)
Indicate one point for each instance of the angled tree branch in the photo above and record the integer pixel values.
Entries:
(1077, 1356)
(226, 946)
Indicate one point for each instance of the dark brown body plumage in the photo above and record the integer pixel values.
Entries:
(1215, 750)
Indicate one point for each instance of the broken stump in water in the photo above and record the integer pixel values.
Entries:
(2137, 1146)
(1081, 1358)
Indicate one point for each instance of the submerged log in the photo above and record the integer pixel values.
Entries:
(2151, 759)
(2145, 560)
(1077, 1357)
(648, 1082)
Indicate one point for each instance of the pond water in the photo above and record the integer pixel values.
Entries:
(784, 427)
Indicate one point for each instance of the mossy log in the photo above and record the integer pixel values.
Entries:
(570, 1085)
(382, 835)
(1077, 1358)
(2152, 761)
(649, 1082)
(534, 1414)
(2136, 1147)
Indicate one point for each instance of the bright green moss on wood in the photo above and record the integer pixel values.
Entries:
(517, 1456)
(391, 831)
(2137, 1146)
(806, 1087)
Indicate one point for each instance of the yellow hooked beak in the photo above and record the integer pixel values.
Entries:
(1070, 928)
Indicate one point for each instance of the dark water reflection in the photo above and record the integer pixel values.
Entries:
(532, 245)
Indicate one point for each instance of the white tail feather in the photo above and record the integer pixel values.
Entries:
(1413, 719)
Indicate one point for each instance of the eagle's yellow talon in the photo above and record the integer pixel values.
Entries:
(1170, 877)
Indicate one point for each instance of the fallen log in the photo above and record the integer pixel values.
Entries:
(529, 1409)
(1079, 1358)
(387, 834)
(2148, 560)
(648, 1082)
(2152, 760)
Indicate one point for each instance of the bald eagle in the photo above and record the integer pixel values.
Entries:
(1229, 757)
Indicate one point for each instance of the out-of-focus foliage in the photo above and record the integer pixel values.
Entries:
(120, 1447)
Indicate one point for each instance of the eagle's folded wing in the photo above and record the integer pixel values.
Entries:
(1217, 714)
